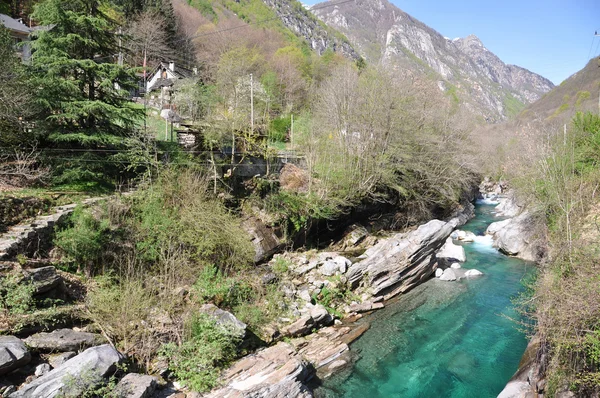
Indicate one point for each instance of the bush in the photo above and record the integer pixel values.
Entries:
(16, 295)
(84, 240)
(207, 349)
(123, 311)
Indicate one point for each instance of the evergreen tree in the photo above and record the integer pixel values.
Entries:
(83, 92)
(15, 98)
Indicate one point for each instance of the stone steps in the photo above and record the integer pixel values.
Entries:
(34, 237)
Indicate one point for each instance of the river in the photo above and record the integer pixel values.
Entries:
(443, 339)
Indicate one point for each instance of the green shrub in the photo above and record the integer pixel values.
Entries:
(16, 295)
(207, 349)
(84, 241)
(279, 128)
(280, 266)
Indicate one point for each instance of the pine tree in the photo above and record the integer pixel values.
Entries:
(83, 92)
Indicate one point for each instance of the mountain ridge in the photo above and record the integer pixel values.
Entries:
(383, 33)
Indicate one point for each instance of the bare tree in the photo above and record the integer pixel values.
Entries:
(148, 37)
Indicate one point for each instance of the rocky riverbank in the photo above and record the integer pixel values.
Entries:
(328, 290)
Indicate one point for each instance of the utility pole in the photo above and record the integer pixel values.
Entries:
(292, 132)
(251, 102)
(596, 34)
(120, 33)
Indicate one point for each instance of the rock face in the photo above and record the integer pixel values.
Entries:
(74, 376)
(382, 33)
(63, 340)
(518, 237)
(13, 354)
(304, 24)
(399, 263)
(225, 318)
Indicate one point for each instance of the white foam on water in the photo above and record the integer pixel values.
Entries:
(488, 201)
(484, 243)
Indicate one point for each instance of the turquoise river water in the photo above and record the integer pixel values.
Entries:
(443, 339)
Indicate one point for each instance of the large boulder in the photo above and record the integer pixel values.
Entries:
(397, 264)
(266, 240)
(13, 354)
(448, 275)
(519, 237)
(225, 319)
(43, 279)
(75, 376)
(450, 253)
(496, 226)
(63, 340)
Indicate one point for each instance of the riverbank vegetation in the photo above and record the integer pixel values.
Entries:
(561, 186)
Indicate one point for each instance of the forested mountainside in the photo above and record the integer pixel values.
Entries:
(463, 67)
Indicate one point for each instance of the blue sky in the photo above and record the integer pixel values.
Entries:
(550, 37)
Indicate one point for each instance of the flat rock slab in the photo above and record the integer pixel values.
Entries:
(63, 340)
(135, 385)
(13, 354)
(75, 376)
(274, 372)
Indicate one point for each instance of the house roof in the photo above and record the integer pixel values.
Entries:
(179, 71)
(14, 25)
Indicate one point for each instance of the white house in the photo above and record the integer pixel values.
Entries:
(166, 74)
(20, 33)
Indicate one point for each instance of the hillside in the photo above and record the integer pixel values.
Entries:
(463, 67)
(544, 118)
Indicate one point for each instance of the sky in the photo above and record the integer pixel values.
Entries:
(550, 37)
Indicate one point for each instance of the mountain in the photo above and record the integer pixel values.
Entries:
(463, 67)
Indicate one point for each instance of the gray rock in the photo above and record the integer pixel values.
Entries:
(472, 273)
(438, 272)
(8, 390)
(13, 354)
(305, 295)
(135, 385)
(354, 235)
(74, 376)
(329, 268)
(63, 340)
(44, 279)
(455, 266)
(58, 359)
(42, 369)
(403, 261)
(269, 278)
(317, 317)
(448, 275)
(306, 268)
(225, 318)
